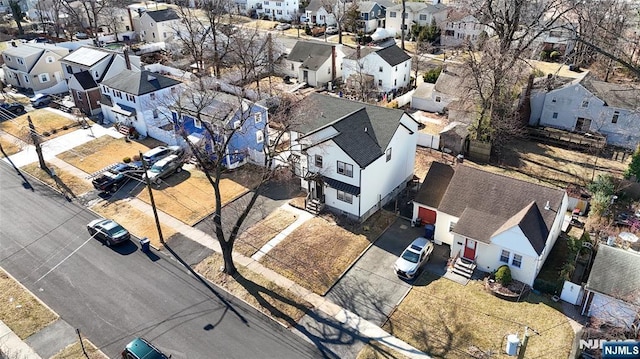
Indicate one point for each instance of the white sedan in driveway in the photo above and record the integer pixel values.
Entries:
(413, 258)
(283, 26)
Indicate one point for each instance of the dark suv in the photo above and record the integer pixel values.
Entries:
(117, 176)
(14, 108)
(141, 349)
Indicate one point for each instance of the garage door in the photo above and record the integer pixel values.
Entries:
(427, 215)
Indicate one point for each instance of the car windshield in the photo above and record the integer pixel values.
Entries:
(114, 229)
(156, 169)
(410, 256)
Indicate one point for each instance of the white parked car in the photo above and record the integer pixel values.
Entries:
(283, 26)
(331, 30)
(413, 258)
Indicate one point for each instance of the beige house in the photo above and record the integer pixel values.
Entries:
(35, 67)
(159, 25)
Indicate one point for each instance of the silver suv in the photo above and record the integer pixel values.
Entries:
(154, 155)
(164, 168)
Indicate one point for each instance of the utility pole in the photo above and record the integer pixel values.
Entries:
(36, 142)
(525, 341)
(153, 203)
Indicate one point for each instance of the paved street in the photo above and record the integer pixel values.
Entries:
(113, 295)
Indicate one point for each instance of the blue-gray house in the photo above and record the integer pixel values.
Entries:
(240, 123)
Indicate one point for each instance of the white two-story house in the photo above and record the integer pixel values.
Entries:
(35, 67)
(352, 157)
(141, 100)
(588, 105)
(390, 67)
(315, 63)
(158, 25)
(459, 28)
(416, 13)
(285, 10)
(322, 12)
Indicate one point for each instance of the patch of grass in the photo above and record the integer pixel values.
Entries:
(280, 303)
(137, 222)
(315, 254)
(43, 120)
(10, 146)
(375, 350)
(19, 310)
(251, 240)
(191, 199)
(448, 320)
(542, 163)
(261, 24)
(67, 182)
(102, 152)
(74, 351)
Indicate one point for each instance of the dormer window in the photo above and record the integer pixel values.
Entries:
(49, 59)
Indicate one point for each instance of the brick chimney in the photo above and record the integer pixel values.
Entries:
(127, 61)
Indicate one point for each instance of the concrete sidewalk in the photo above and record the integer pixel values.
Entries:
(344, 317)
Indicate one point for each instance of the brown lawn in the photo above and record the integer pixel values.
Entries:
(424, 158)
(138, 223)
(10, 146)
(448, 320)
(316, 254)
(251, 240)
(188, 196)
(280, 303)
(74, 351)
(104, 151)
(375, 350)
(555, 166)
(19, 310)
(43, 120)
(67, 183)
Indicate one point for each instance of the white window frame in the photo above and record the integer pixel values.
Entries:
(503, 256)
(317, 159)
(44, 77)
(237, 124)
(388, 154)
(585, 104)
(518, 261)
(344, 196)
(197, 123)
(345, 169)
(259, 137)
(49, 59)
(257, 117)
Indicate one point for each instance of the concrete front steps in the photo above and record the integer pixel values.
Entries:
(464, 267)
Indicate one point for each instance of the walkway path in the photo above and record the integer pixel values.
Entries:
(346, 318)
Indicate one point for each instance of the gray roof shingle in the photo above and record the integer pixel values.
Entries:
(163, 15)
(487, 203)
(434, 184)
(616, 272)
(139, 82)
(393, 55)
(364, 131)
(614, 95)
(311, 54)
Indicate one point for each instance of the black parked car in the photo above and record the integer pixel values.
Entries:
(108, 231)
(14, 108)
(116, 177)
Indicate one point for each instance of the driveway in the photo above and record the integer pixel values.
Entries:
(371, 288)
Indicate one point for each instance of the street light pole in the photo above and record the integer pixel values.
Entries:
(153, 203)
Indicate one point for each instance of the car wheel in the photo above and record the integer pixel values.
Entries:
(113, 189)
(107, 242)
(179, 169)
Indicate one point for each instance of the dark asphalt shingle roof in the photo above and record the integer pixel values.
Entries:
(434, 184)
(85, 80)
(614, 95)
(487, 203)
(163, 15)
(393, 55)
(616, 272)
(311, 54)
(364, 131)
(139, 82)
(315, 5)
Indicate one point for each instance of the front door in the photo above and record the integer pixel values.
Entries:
(470, 249)
(319, 191)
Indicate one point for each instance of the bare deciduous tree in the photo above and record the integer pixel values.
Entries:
(211, 155)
